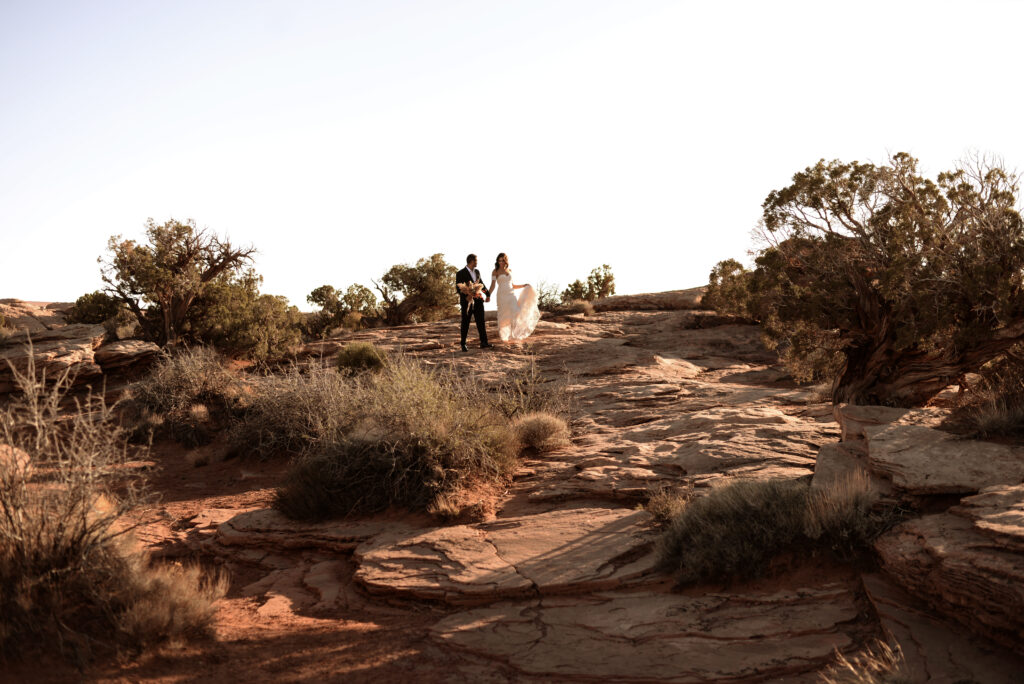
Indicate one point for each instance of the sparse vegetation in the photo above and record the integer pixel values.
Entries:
(361, 356)
(548, 297)
(411, 437)
(69, 581)
(525, 390)
(599, 284)
(541, 431)
(184, 396)
(666, 502)
(735, 530)
(995, 405)
(880, 663)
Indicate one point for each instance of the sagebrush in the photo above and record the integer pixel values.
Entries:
(70, 580)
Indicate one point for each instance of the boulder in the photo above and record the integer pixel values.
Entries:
(968, 562)
(922, 461)
(854, 419)
(125, 354)
(673, 300)
(69, 348)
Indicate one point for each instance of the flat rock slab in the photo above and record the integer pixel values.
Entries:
(933, 650)
(573, 550)
(267, 529)
(921, 460)
(659, 637)
(968, 563)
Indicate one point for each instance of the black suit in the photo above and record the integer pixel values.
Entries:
(464, 276)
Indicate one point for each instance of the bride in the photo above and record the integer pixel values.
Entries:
(516, 317)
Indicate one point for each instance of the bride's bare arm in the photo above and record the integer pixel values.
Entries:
(494, 278)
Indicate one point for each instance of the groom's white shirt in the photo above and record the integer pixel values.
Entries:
(473, 273)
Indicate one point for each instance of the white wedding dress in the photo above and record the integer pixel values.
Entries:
(517, 318)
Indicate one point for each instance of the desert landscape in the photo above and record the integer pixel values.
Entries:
(555, 574)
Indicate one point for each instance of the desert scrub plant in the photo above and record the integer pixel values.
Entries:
(527, 390)
(995, 405)
(541, 431)
(735, 530)
(182, 396)
(293, 412)
(413, 437)
(94, 307)
(69, 578)
(666, 502)
(361, 356)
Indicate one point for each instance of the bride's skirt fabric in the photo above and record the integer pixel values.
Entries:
(517, 318)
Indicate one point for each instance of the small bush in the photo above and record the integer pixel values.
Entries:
(361, 356)
(996, 405)
(411, 437)
(735, 530)
(878, 664)
(541, 431)
(526, 390)
(728, 289)
(666, 503)
(599, 284)
(548, 297)
(69, 579)
(300, 410)
(95, 308)
(183, 396)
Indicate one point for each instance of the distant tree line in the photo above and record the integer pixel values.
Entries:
(183, 284)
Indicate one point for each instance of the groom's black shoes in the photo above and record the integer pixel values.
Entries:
(486, 345)
(465, 348)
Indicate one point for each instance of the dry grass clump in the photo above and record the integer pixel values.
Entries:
(410, 437)
(68, 578)
(288, 414)
(361, 356)
(665, 503)
(541, 431)
(526, 390)
(735, 530)
(187, 396)
(996, 405)
(878, 664)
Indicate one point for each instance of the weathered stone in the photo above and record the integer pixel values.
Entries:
(968, 562)
(14, 462)
(67, 349)
(921, 460)
(674, 300)
(659, 637)
(855, 419)
(268, 529)
(934, 650)
(125, 353)
(579, 549)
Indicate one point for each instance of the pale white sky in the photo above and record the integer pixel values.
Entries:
(342, 137)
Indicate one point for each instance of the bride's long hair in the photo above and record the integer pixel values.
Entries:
(497, 260)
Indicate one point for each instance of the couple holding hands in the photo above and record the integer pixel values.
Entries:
(517, 316)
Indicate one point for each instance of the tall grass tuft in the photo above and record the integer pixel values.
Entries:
(69, 578)
(735, 530)
(878, 664)
(357, 357)
(541, 431)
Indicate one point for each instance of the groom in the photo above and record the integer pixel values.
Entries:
(471, 275)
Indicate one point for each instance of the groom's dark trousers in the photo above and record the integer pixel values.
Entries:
(478, 314)
(466, 276)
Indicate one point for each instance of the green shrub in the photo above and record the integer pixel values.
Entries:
(361, 356)
(424, 291)
(735, 530)
(411, 437)
(891, 284)
(728, 289)
(600, 284)
(69, 579)
(95, 308)
(337, 309)
(541, 431)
